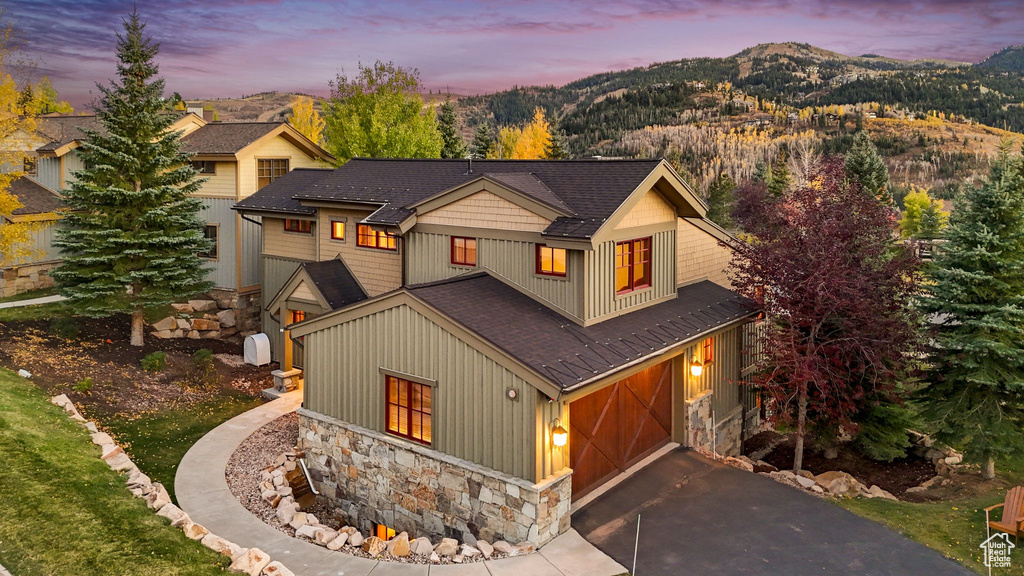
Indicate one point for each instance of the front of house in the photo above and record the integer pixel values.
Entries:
(484, 344)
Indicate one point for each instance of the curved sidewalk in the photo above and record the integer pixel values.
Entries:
(203, 493)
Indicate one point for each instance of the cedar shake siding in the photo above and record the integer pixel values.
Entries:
(700, 255)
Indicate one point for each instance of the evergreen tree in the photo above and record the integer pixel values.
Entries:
(132, 234)
(452, 144)
(720, 201)
(974, 397)
(933, 221)
(864, 165)
(780, 179)
(556, 148)
(483, 142)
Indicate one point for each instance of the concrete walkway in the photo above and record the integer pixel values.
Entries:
(3, 571)
(203, 493)
(32, 302)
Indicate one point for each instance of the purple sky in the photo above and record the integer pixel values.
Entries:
(214, 48)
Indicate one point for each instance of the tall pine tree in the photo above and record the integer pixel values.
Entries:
(452, 144)
(556, 148)
(483, 142)
(865, 166)
(720, 200)
(974, 397)
(132, 232)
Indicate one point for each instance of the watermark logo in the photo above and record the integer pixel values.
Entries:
(997, 550)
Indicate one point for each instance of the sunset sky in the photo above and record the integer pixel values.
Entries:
(214, 48)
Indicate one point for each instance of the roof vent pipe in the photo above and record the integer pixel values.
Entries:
(470, 159)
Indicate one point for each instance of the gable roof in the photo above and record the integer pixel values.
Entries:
(226, 137)
(35, 198)
(64, 129)
(335, 282)
(588, 191)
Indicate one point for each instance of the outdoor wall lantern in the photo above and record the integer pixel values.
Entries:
(559, 435)
(696, 366)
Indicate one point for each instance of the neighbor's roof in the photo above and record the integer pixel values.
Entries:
(335, 282)
(569, 354)
(36, 198)
(226, 137)
(64, 129)
(587, 192)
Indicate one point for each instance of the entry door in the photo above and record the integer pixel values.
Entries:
(619, 425)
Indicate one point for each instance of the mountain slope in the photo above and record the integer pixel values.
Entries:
(1009, 59)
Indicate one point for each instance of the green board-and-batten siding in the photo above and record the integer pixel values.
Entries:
(222, 271)
(599, 265)
(48, 172)
(428, 259)
(275, 272)
(473, 418)
(251, 237)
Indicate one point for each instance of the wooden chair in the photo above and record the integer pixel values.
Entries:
(1013, 514)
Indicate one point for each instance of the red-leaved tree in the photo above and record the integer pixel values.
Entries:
(822, 263)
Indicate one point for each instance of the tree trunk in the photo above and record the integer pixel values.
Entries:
(989, 471)
(138, 323)
(801, 424)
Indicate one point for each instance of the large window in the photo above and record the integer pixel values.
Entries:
(300, 226)
(408, 409)
(298, 316)
(212, 233)
(338, 230)
(550, 261)
(269, 170)
(367, 237)
(632, 265)
(204, 166)
(463, 251)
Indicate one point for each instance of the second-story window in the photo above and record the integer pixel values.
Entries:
(632, 265)
(300, 226)
(551, 261)
(367, 237)
(204, 166)
(270, 169)
(338, 230)
(30, 166)
(463, 251)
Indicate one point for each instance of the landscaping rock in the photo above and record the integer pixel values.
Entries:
(469, 551)
(137, 478)
(202, 305)
(505, 548)
(338, 541)
(355, 539)
(226, 318)
(195, 531)
(325, 536)
(876, 492)
(806, 474)
(434, 558)
(447, 547)
(525, 547)
(108, 451)
(298, 521)
(373, 546)
(953, 460)
(737, 463)
(182, 324)
(928, 484)
(176, 515)
(306, 531)
(182, 308)
(421, 546)
(916, 489)
(399, 545)
(221, 546)
(214, 334)
(836, 482)
(168, 323)
(762, 466)
(275, 568)
(204, 325)
(193, 335)
(485, 548)
(91, 427)
(61, 400)
(120, 462)
(158, 497)
(252, 562)
(457, 559)
(164, 334)
(285, 514)
(805, 481)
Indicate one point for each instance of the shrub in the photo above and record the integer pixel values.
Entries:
(203, 357)
(154, 362)
(65, 328)
(83, 385)
(203, 371)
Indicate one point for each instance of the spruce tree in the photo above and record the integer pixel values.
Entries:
(483, 142)
(974, 397)
(720, 201)
(452, 144)
(556, 149)
(865, 166)
(132, 233)
(933, 221)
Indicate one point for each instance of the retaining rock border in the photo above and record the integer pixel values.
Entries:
(251, 561)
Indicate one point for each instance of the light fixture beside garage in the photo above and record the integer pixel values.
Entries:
(559, 435)
(696, 366)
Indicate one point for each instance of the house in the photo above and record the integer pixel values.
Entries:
(485, 344)
(39, 206)
(236, 159)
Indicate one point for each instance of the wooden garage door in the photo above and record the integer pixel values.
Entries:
(613, 428)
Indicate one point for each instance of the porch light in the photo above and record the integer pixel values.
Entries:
(696, 367)
(559, 435)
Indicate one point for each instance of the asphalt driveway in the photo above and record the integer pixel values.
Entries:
(701, 517)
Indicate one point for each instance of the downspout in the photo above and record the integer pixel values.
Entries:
(256, 222)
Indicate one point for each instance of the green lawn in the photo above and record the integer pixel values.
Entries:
(30, 295)
(37, 312)
(63, 511)
(157, 442)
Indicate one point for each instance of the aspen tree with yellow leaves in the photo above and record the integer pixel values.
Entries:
(306, 119)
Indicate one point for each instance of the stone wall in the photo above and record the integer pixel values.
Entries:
(18, 279)
(373, 478)
(706, 432)
(217, 314)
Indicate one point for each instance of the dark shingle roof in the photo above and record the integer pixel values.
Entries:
(335, 282)
(278, 196)
(588, 191)
(565, 352)
(63, 130)
(36, 198)
(226, 137)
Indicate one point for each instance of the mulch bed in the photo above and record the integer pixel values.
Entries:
(894, 477)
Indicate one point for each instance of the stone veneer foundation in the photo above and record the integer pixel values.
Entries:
(374, 478)
(723, 436)
(18, 279)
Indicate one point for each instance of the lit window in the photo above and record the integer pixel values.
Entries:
(709, 350)
(269, 170)
(211, 232)
(550, 261)
(463, 251)
(298, 316)
(408, 409)
(632, 265)
(300, 226)
(383, 532)
(367, 237)
(338, 230)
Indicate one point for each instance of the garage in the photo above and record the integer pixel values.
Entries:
(618, 425)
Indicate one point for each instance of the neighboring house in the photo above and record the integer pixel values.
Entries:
(39, 205)
(483, 343)
(236, 159)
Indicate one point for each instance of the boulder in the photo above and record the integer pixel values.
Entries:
(804, 481)
(504, 548)
(202, 305)
(285, 514)
(61, 400)
(421, 546)
(307, 531)
(355, 539)
(434, 558)
(167, 334)
(806, 474)
(182, 308)
(299, 520)
(916, 489)
(399, 545)
(876, 492)
(485, 548)
(953, 460)
(158, 497)
(176, 515)
(469, 551)
(108, 451)
(193, 335)
(182, 323)
(195, 531)
(226, 318)
(168, 323)
(927, 484)
(762, 466)
(338, 541)
(204, 325)
(275, 568)
(836, 482)
(738, 463)
(447, 547)
(251, 562)
(373, 546)
(221, 546)
(137, 478)
(120, 462)
(325, 536)
(525, 547)
(91, 427)
(212, 334)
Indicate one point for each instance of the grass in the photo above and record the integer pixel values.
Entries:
(63, 511)
(157, 442)
(953, 527)
(30, 295)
